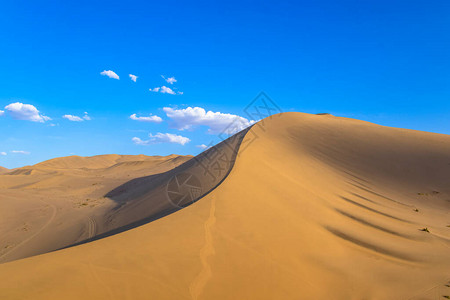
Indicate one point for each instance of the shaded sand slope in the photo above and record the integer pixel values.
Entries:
(315, 207)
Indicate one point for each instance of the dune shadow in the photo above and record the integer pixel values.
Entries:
(372, 209)
(371, 246)
(365, 222)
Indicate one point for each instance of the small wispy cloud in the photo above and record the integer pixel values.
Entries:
(20, 152)
(73, 118)
(150, 118)
(2, 112)
(202, 146)
(110, 74)
(164, 90)
(3, 153)
(133, 77)
(169, 80)
(27, 112)
(162, 138)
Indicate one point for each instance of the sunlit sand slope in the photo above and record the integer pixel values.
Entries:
(315, 207)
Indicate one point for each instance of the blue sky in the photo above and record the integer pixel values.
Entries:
(386, 62)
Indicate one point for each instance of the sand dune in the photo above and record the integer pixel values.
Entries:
(3, 170)
(310, 207)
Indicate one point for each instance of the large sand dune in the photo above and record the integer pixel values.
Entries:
(312, 207)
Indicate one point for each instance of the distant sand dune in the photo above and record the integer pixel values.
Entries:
(3, 170)
(310, 207)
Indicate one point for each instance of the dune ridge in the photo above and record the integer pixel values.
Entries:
(314, 207)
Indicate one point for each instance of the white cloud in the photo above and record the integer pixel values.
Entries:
(110, 74)
(170, 80)
(164, 90)
(167, 90)
(217, 122)
(3, 153)
(133, 77)
(20, 152)
(2, 112)
(77, 118)
(162, 138)
(28, 112)
(73, 118)
(202, 146)
(150, 118)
